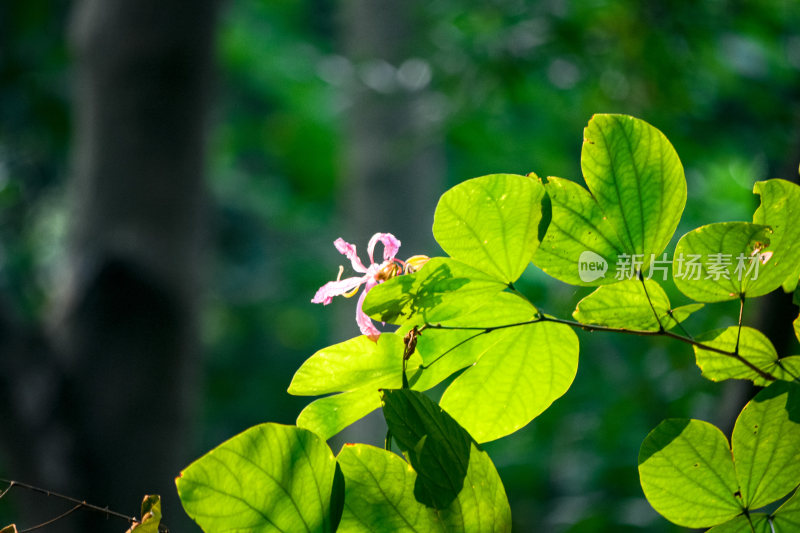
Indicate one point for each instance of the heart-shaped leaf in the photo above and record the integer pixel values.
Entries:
(380, 496)
(491, 223)
(635, 198)
(527, 368)
(437, 447)
(766, 444)
(755, 353)
(722, 261)
(687, 473)
(269, 478)
(780, 210)
(379, 493)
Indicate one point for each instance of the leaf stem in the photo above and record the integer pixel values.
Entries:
(741, 314)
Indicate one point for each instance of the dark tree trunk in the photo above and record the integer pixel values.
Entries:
(124, 333)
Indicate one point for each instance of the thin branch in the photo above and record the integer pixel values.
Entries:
(78, 505)
(592, 327)
(52, 520)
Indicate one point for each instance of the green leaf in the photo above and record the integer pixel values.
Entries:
(796, 324)
(328, 416)
(719, 262)
(444, 288)
(491, 223)
(687, 473)
(780, 210)
(579, 236)
(380, 496)
(788, 368)
(437, 447)
(634, 173)
(741, 524)
(679, 314)
(379, 493)
(625, 305)
(445, 351)
(753, 347)
(787, 518)
(269, 478)
(482, 505)
(151, 516)
(527, 368)
(766, 444)
(350, 365)
(636, 194)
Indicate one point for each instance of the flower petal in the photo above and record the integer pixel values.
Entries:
(349, 251)
(390, 246)
(326, 293)
(364, 322)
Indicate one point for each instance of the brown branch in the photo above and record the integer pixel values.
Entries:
(79, 504)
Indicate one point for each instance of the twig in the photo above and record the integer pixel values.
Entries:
(52, 520)
(78, 505)
(592, 327)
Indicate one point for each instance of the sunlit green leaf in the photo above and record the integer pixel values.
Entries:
(780, 210)
(788, 368)
(687, 473)
(269, 478)
(491, 223)
(787, 518)
(797, 327)
(353, 364)
(379, 493)
(442, 289)
(150, 517)
(753, 347)
(790, 284)
(380, 496)
(329, 415)
(436, 446)
(719, 262)
(579, 244)
(766, 444)
(679, 314)
(634, 173)
(527, 368)
(756, 523)
(626, 305)
(482, 505)
(636, 194)
(445, 351)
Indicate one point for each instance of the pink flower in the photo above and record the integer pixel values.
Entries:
(372, 275)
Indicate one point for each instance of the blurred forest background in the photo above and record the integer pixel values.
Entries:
(164, 224)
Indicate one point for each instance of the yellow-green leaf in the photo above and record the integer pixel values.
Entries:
(270, 478)
(491, 223)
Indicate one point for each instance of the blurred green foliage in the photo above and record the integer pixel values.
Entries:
(511, 84)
